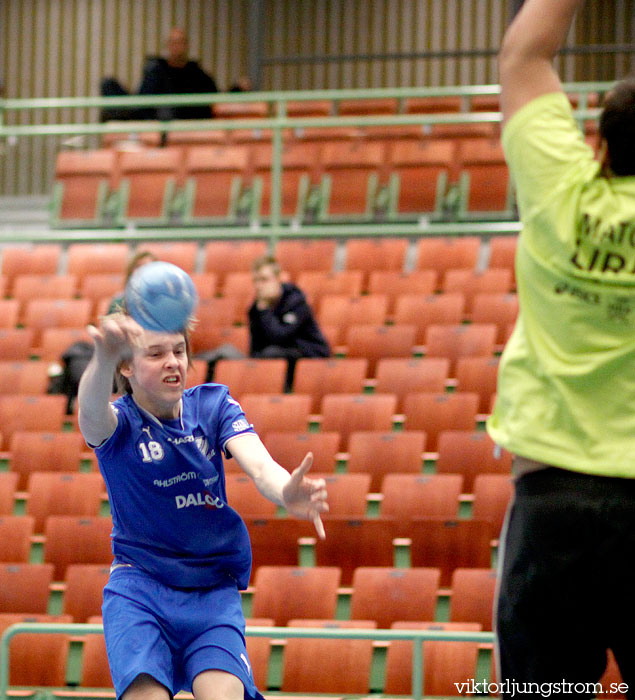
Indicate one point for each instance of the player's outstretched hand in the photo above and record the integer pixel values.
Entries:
(116, 335)
(304, 497)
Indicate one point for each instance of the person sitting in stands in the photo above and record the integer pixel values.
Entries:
(174, 75)
(281, 322)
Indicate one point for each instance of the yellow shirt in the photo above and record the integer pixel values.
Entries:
(566, 385)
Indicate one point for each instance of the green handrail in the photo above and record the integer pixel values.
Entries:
(416, 636)
(276, 124)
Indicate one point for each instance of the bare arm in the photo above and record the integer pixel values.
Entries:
(303, 497)
(530, 44)
(114, 338)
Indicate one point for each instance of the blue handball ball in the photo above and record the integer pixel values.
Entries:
(161, 297)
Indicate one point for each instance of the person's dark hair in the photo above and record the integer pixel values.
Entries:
(138, 259)
(264, 261)
(123, 384)
(617, 127)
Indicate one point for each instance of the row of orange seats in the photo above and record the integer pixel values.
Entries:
(468, 453)
(222, 257)
(431, 412)
(401, 495)
(352, 542)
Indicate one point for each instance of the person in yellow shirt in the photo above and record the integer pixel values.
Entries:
(566, 388)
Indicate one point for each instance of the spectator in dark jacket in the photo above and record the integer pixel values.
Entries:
(281, 322)
(174, 75)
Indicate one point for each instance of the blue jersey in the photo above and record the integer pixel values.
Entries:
(166, 486)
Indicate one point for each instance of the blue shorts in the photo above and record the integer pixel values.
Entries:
(172, 634)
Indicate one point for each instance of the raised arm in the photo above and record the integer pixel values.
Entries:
(303, 497)
(113, 338)
(529, 46)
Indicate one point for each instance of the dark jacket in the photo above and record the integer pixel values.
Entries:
(159, 78)
(290, 324)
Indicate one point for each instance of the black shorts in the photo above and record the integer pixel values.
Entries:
(567, 588)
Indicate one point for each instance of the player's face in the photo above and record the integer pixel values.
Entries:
(158, 371)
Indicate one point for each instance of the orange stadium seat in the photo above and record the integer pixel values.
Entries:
(24, 588)
(275, 541)
(354, 542)
(251, 376)
(348, 413)
(217, 311)
(421, 495)
(181, 253)
(377, 342)
(244, 497)
(420, 171)
(66, 493)
(37, 659)
(203, 137)
(500, 309)
(425, 311)
(83, 180)
(259, 651)
(15, 538)
(329, 375)
(296, 256)
(470, 452)
(214, 177)
(386, 594)
(148, 179)
(8, 487)
(450, 544)
(443, 254)
(379, 453)
(16, 343)
(300, 170)
(478, 375)
(492, 494)
(502, 252)
(24, 412)
(446, 663)
(347, 493)
(31, 259)
(41, 314)
(276, 412)
(309, 108)
(76, 540)
(9, 309)
(402, 376)
(241, 110)
(434, 413)
(432, 105)
(484, 177)
(83, 590)
(457, 341)
(98, 287)
(29, 287)
(55, 341)
(211, 336)
(372, 254)
(472, 596)
(316, 284)
(222, 257)
(351, 173)
(471, 283)
(95, 670)
(289, 449)
(97, 258)
(286, 592)
(26, 377)
(344, 311)
(206, 284)
(394, 284)
(378, 105)
(314, 665)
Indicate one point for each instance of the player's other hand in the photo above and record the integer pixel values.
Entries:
(306, 498)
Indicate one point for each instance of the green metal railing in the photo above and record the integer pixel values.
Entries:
(416, 636)
(274, 228)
